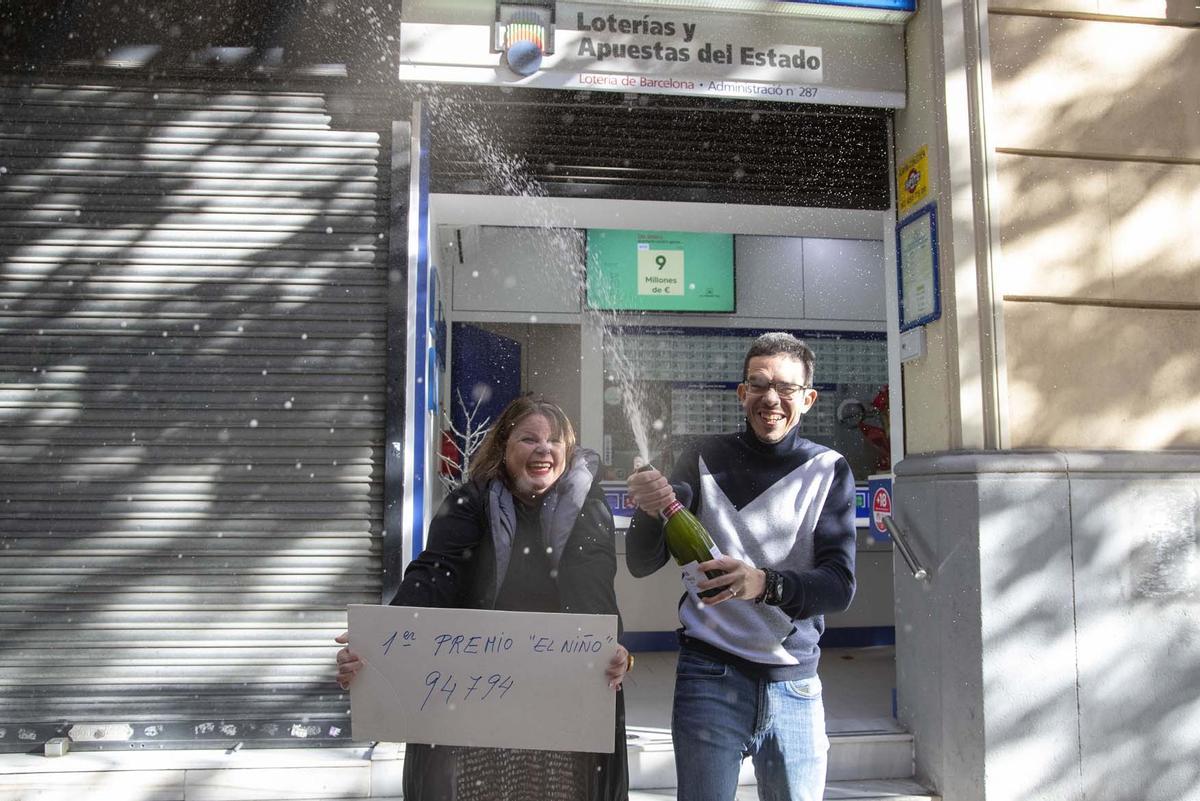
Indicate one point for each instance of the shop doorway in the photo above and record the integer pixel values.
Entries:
(822, 274)
(803, 185)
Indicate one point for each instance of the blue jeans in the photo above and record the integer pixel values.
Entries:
(722, 715)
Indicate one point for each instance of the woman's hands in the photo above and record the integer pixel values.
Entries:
(348, 662)
(618, 666)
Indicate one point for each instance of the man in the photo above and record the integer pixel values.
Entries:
(780, 509)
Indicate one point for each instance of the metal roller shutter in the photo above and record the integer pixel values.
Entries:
(598, 144)
(192, 342)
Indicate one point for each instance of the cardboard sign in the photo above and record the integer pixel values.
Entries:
(483, 678)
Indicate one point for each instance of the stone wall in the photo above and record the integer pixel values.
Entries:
(1094, 128)
(1052, 653)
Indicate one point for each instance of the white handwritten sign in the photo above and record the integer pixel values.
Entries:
(483, 678)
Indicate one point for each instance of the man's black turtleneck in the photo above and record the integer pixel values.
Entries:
(787, 505)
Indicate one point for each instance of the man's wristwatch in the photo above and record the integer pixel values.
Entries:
(772, 594)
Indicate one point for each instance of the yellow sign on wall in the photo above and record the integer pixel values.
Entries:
(912, 180)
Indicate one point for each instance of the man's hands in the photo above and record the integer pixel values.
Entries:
(741, 581)
(650, 491)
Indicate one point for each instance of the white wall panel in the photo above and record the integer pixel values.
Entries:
(770, 277)
(843, 279)
(515, 269)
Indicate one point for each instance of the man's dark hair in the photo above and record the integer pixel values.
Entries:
(781, 343)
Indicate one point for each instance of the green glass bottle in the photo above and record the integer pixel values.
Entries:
(690, 544)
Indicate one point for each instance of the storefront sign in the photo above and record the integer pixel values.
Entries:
(655, 51)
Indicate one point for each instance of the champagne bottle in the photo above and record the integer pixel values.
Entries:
(690, 544)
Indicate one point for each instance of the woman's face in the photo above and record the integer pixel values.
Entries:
(534, 457)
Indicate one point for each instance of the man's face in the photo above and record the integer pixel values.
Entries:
(772, 416)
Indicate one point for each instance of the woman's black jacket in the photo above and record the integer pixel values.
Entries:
(458, 569)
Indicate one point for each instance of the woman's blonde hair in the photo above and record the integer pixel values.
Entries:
(488, 462)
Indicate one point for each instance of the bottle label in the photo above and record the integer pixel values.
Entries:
(692, 574)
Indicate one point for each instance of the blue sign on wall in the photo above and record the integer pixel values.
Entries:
(616, 493)
(862, 507)
(882, 5)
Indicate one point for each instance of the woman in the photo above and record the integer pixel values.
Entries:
(529, 532)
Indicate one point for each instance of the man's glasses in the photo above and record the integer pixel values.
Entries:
(760, 386)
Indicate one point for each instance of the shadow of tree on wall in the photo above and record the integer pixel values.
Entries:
(1078, 587)
(1089, 599)
(1099, 651)
(1099, 164)
(1099, 167)
(191, 388)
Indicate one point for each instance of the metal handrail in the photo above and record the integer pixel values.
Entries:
(898, 537)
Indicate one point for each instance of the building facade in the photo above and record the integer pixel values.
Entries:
(216, 334)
